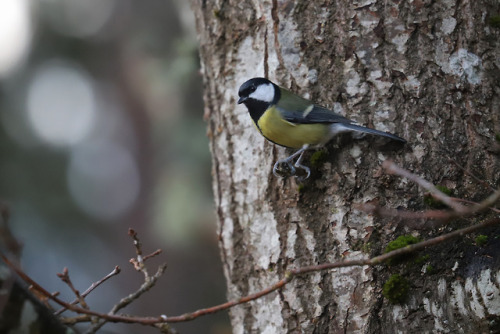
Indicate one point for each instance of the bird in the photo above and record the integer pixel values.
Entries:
(288, 120)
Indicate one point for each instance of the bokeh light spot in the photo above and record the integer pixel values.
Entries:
(15, 34)
(61, 103)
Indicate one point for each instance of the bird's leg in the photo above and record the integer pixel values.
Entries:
(305, 168)
(288, 164)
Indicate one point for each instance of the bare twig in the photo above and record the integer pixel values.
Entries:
(138, 261)
(486, 203)
(75, 320)
(156, 252)
(458, 209)
(75, 308)
(483, 182)
(42, 298)
(115, 272)
(405, 214)
(392, 168)
(146, 286)
(475, 203)
(64, 276)
(433, 214)
(149, 281)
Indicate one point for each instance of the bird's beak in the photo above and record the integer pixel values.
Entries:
(242, 99)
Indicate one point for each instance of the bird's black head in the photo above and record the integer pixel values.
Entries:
(259, 89)
(258, 94)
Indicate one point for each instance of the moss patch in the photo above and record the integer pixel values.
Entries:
(400, 242)
(396, 289)
(481, 240)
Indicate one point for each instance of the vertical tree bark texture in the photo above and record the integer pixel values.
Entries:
(425, 70)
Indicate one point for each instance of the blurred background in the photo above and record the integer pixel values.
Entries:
(101, 129)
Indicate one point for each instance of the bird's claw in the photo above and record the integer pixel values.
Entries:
(306, 170)
(284, 168)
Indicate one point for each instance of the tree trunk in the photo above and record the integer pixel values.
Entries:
(424, 70)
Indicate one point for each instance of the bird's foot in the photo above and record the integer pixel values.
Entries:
(307, 172)
(284, 168)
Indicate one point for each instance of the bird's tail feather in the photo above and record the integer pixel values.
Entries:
(359, 128)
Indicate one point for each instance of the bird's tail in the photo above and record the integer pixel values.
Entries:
(358, 128)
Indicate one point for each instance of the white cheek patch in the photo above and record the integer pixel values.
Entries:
(264, 93)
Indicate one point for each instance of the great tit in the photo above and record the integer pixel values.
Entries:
(289, 120)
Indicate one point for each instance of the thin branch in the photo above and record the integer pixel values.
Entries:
(433, 214)
(149, 281)
(475, 203)
(483, 182)
(75, 320)
(155, 253)
(146, 286)
(138, 262)
(59, 301)
(209, 310)
(94, 285)
(64, 276)
(405, 214)
(458, 209)
(487, 203)
(392, 168)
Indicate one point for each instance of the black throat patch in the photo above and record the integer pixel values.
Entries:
(256, 109)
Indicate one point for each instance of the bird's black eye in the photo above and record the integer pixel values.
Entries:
(252, 89)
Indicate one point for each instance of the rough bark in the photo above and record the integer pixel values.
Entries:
(425, 70)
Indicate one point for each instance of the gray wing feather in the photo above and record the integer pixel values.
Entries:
(296, 109)
(316, 115)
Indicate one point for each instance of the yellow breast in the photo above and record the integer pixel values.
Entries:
(284, 133)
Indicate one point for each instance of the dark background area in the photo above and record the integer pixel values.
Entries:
(102, 129)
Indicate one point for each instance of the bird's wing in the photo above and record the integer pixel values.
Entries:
(298, 110)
